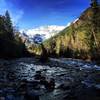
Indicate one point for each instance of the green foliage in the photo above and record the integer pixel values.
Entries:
(10, 45)
(81, 39)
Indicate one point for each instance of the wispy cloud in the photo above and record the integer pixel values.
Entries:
(16, 17)
(16, 14)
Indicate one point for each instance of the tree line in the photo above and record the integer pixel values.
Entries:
(11, 45)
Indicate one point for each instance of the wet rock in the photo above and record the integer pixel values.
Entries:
(48, 84)
(32, 69)
(37, 76)
(11, 76)
(88, 83)
(1, 93)
(97, 86)
(35, 84)
(43, 81)
(61, 74)
(10, 97)
(68, 84)
(2, 98)
(22, 87)
(32, 95)
(65, 86)
(51, 83)
(9, 90)
(70, 96)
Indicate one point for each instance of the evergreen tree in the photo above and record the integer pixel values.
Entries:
(44, 55)
(11, 44)
(94, 29)
(9, 26)
(2, 27)
(94, 3)
(53, 48)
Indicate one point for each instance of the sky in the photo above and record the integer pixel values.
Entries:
(34, 13)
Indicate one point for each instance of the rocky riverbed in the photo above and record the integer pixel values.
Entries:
(74, 79)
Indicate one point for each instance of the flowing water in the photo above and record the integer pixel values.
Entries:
(68, 74)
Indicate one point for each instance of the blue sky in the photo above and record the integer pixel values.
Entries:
(33, 13)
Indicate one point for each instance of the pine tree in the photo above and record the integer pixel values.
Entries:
(94, 46)
(9, 26)
(44, 55)
(94, 3)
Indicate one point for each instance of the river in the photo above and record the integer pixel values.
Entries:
(74, 79)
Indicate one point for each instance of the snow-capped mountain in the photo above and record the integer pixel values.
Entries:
(44, 31)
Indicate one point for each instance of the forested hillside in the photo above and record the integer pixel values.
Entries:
(79, 40)
(11, 44)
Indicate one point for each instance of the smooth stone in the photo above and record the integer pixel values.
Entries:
(97, 86)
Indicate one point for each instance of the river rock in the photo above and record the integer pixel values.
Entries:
(97, 86)
(32, 95)
(10, 97)
(65, 86)
(2, 98)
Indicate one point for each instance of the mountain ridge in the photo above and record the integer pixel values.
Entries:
(46, 31)
(79, 40)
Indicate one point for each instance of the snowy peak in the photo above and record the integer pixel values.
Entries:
(45, 31)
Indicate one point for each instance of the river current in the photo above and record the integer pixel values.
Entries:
(68, 74)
